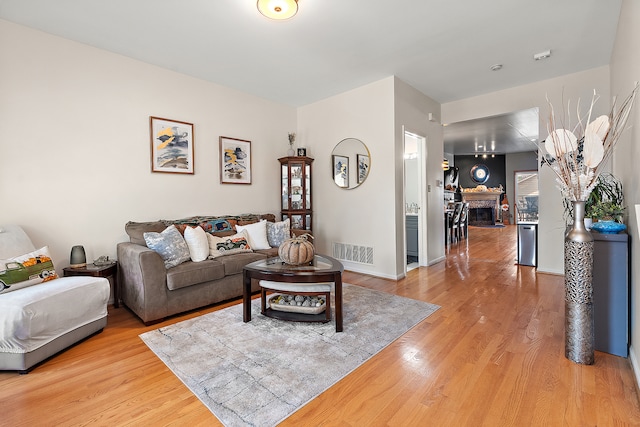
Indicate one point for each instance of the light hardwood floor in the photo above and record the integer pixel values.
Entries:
(493, 355)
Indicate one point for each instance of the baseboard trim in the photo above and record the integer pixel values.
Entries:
(634, 366)
(436, 260)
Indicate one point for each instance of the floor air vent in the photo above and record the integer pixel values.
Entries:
(353, 253)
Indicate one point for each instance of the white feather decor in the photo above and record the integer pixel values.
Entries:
(577, 156)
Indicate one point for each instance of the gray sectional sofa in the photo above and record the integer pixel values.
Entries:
(154, 292)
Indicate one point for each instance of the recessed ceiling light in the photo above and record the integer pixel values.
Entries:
(495, 67)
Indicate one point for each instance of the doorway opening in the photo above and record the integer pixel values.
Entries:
(414, 221)
(526, 193)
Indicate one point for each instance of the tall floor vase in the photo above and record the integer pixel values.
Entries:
(578, 285)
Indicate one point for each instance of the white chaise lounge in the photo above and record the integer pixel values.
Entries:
(39, 321)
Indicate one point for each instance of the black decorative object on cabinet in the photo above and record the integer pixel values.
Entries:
(611, 292)
(295, 187)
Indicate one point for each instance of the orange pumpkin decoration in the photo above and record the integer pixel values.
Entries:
(297, 250)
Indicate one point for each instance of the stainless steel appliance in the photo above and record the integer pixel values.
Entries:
(528, 243)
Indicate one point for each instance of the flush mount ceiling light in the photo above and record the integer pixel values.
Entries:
(278, 9)
(496, 67)
(542, 55)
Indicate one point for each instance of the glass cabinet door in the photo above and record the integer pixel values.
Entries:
(308, 186)
(285, 187)
(296, 186)
(295, 192)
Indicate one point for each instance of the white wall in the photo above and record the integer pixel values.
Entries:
(412, 110)
(573, 86)
(625, 70)
(373, 213)
(411, 175)
(75, 152)
(364, 215)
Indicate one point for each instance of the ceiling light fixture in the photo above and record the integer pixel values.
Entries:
(542, 55)
(495, 67)
(278, 9)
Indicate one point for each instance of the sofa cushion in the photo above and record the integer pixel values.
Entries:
(269, 253)
(136, 230)
(26, 270)
(235, 263)
(170, 245)
(257, 233)
(192, 273)
(197, 242)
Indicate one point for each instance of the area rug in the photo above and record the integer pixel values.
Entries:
(260, 372)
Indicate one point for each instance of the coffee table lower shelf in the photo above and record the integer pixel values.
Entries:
(295, 317)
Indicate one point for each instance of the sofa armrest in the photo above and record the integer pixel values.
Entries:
(143, 281)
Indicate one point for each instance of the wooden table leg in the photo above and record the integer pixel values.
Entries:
(246, 298)
(338, 286)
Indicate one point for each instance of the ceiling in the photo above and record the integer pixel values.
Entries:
(442, 48)
(515, 132)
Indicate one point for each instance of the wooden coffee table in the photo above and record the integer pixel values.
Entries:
(301, 279)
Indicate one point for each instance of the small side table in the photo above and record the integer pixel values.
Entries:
(106, 271)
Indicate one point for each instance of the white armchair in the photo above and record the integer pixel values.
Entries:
(38, 321)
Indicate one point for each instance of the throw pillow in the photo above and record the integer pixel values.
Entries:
(170, 245)
(220, 246)
(197, 242)
(257, 233)
(26, 270)
(278, 232)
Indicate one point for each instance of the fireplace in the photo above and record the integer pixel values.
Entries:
(481, 216)
(483, 207)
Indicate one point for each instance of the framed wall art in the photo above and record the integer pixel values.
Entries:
(302, 152)
(363, 167)
(171, 146)
(341, 171)
(235, 161)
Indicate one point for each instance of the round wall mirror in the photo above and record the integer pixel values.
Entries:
(350, 161)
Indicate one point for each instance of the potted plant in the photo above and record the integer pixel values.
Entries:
(607, 211)
(606, 201)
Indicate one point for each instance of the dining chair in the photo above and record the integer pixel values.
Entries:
(454, 221)
(463, 222)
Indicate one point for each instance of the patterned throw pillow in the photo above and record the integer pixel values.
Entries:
(220, 246)
(26, 270)
(257, 233)
(278, 232)
(170, 245)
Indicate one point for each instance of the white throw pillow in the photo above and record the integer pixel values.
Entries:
(257, 233)
(198, 243)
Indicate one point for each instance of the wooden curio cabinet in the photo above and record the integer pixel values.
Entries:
(295, 187)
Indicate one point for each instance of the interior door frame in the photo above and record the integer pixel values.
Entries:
(515, 190)
(422, 202)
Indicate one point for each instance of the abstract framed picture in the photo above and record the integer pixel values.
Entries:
(341, 171)
(235, 161)
(363, 167)
(171, 146)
